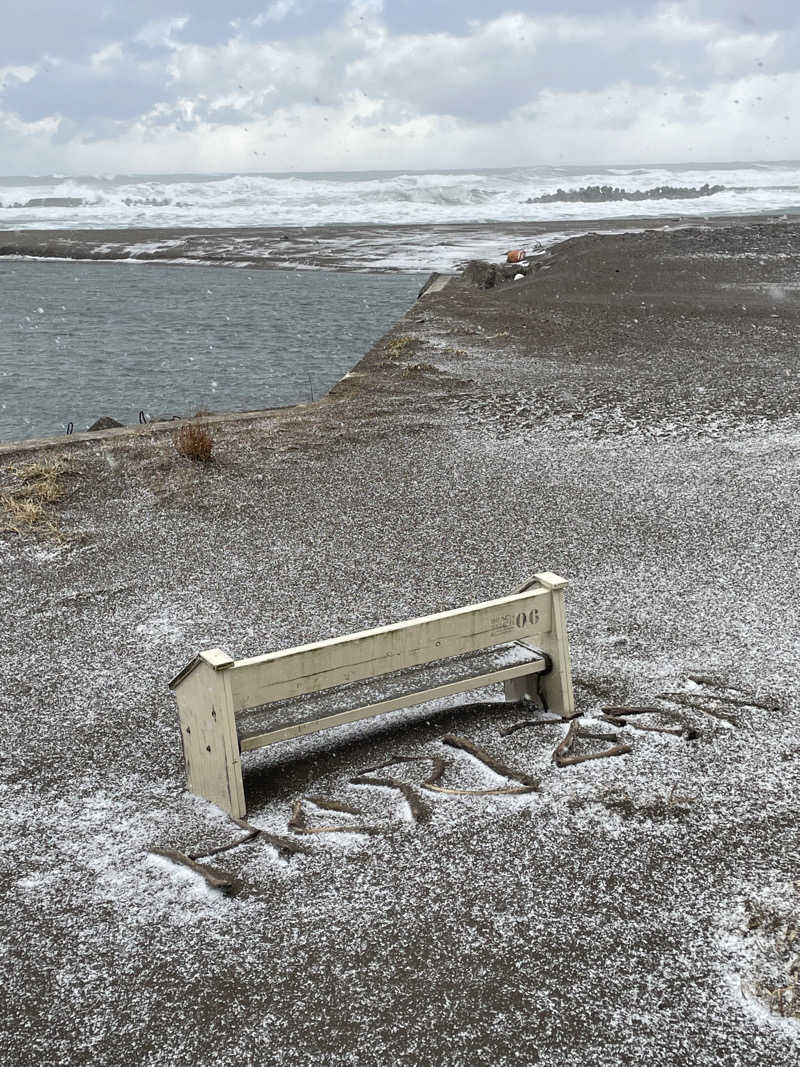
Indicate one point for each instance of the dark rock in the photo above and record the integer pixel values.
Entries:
(105, 422)
(593, 194)
(52, 201)
(482, 274)
(509, 271)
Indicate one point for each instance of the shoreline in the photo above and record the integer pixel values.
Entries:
(332, 247)
(100, 239)
(628, 417)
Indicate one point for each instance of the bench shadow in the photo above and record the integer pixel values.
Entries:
(282, 771)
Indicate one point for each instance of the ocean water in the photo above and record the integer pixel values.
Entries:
(387, 198)
(81, 340)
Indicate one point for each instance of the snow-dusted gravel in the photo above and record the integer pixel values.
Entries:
(627, 417)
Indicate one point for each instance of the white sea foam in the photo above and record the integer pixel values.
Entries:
(386, 197)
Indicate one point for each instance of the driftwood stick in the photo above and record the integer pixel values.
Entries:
(391, 761)
(285, 846)
(504, 792)
(680, 731)
(734, 702)
(720, 683)
(439, 767)
(566, 743)
(529, 722)
(569, 761)
(420, 812)
(329, 804)
(308, 830)
(563, 757)
(616, 712)
(455, 741)
(690, 700)
(713, 680)
(683, 730)
(297, 820)
(597, 735)
(216, 879)
(298, 824)
(205, 853)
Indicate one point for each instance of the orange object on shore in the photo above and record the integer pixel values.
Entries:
(516, 256)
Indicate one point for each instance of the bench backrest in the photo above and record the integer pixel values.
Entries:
(214, 687)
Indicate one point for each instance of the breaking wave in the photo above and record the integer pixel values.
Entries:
(395, 198)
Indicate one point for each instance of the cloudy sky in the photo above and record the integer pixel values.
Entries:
(92, 86)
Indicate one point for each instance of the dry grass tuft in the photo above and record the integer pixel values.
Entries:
(398, 345)
(25, 506)
(414, 370)
(194, 442)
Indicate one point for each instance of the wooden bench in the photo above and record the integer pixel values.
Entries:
(520, 640)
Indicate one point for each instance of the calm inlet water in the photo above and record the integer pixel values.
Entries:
(81, 340)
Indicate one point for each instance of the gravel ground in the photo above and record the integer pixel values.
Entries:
(627, 416)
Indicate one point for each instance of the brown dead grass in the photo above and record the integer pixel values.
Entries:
(26, 504)
(398, 345)
(414, 370)
(194, 442)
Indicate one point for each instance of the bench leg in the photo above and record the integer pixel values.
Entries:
(555, 686)
(210, 744)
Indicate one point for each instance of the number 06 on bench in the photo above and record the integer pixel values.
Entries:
(520, 640)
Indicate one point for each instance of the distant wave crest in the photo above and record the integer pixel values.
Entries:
(394, 197)
(593, 194)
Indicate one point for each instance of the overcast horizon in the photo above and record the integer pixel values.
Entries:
(579, 167)
(314, 86)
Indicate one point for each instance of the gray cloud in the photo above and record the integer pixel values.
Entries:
(366, 68)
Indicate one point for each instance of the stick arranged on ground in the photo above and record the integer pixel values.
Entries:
(329, 804)
(563, 757)
(439, 766)
(509, 791)
(464, 743)
(742, 702)
(687, 732)
(298, 818)
(616, 712)
(564, 746)
(437, 773)
(216, 850)
(285, 846)
(216, 879)
(599, 735)
(420, 812)
(391, 761)
(298, 824)
(715, 681)
(696, 701)
(524, 723)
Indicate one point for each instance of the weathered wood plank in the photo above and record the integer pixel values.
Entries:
(555, 688)
(407, 700)
(327, 702)
(373, 653)
(210, 744)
